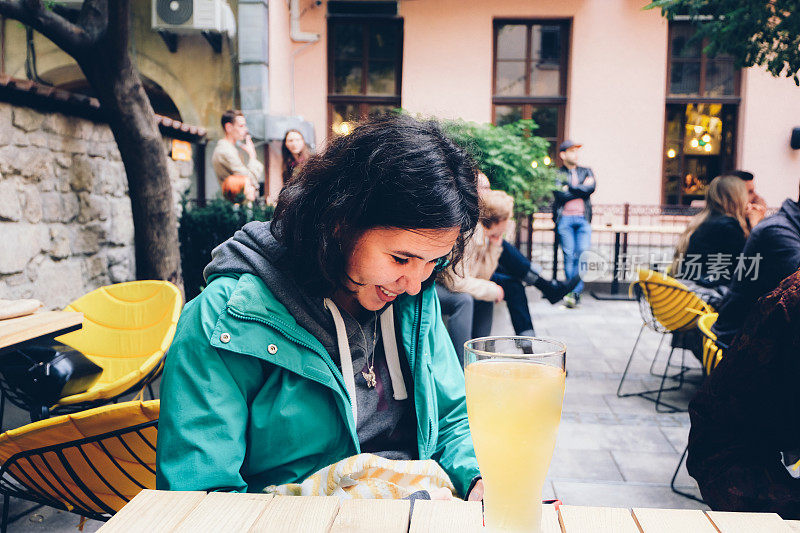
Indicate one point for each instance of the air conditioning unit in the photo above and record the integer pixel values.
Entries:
(192, 16)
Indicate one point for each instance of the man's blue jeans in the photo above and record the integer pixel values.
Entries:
(574, 233)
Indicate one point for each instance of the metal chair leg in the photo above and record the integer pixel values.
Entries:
(6, 503)
(666, 369)
(662, 389)
(628, 365)
(647, 394)
(655, 357)
(675, 476)
(681, 377)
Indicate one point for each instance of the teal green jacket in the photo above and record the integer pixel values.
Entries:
(250, 399)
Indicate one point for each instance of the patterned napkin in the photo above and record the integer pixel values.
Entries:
(369, 476)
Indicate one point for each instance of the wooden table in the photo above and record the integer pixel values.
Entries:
(198, 512)
(17, 331)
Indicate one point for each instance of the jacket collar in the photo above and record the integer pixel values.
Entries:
(791, 210)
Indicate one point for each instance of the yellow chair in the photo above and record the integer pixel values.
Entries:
(712, 351)
(667, 306)
(127, 329)
(89, 463)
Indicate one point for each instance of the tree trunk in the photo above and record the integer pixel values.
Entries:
(111, 73)
(141, 148)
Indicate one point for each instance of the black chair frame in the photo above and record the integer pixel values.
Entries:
(675, 476)
(13, 485)
(649, 321)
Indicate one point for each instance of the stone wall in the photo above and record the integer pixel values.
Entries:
(65, 216)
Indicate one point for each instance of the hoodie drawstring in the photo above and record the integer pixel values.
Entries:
(392, 355)
(346, 359)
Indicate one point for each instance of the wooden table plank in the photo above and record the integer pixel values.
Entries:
(597, 519)
(794, 525)
(366, 516)
(225, 511)
(17, 330)
(288, 514)
(436, 516)
(748, 522)
(550, 523)
(671, 520)
(153, 511)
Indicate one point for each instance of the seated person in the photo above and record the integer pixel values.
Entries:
(771, 253)
(279, 367)
(469, 291)
(744, 436)
(707, 251)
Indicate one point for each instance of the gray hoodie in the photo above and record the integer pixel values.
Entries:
(385, 426)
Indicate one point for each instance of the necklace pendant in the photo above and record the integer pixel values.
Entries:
(369, 377)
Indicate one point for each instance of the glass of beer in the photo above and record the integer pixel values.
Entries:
(515, 389)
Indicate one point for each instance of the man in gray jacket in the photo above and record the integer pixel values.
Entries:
(227, 160)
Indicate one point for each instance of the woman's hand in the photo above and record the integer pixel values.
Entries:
(501, 294)
(476, 494)
(755, 213)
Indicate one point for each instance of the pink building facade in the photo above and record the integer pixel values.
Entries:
(656, 117)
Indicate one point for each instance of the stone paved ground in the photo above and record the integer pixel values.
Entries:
(610, 452)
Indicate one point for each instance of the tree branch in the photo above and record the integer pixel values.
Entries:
(69, 37)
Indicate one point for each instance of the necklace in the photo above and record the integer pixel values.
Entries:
(369, 375)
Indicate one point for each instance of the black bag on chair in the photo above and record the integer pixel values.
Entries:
(47, 373)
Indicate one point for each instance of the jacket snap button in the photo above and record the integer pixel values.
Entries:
(225, 337)
(272, 349)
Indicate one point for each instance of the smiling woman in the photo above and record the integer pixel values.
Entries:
(319, 334)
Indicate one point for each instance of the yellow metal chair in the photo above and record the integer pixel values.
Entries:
(127, 329)
(667, 306)
(712, 351)
(712, 355)
(89, 463)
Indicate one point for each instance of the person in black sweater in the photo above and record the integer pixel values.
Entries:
(708, 252)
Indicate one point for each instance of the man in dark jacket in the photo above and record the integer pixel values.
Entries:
(771, 253)
(745, 436)
(572, 212)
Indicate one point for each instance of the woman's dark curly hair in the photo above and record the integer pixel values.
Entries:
(392, 171)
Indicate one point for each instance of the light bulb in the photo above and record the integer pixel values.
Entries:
(698, 129)
(670, 153)
(693, 143)
(546, 160)
(345, 128)
(534, 164)
(707, 148)
(706, 138)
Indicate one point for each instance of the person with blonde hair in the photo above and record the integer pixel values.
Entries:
(492, 270)
(707, 252)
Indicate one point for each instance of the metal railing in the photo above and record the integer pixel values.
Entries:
(626, 235)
